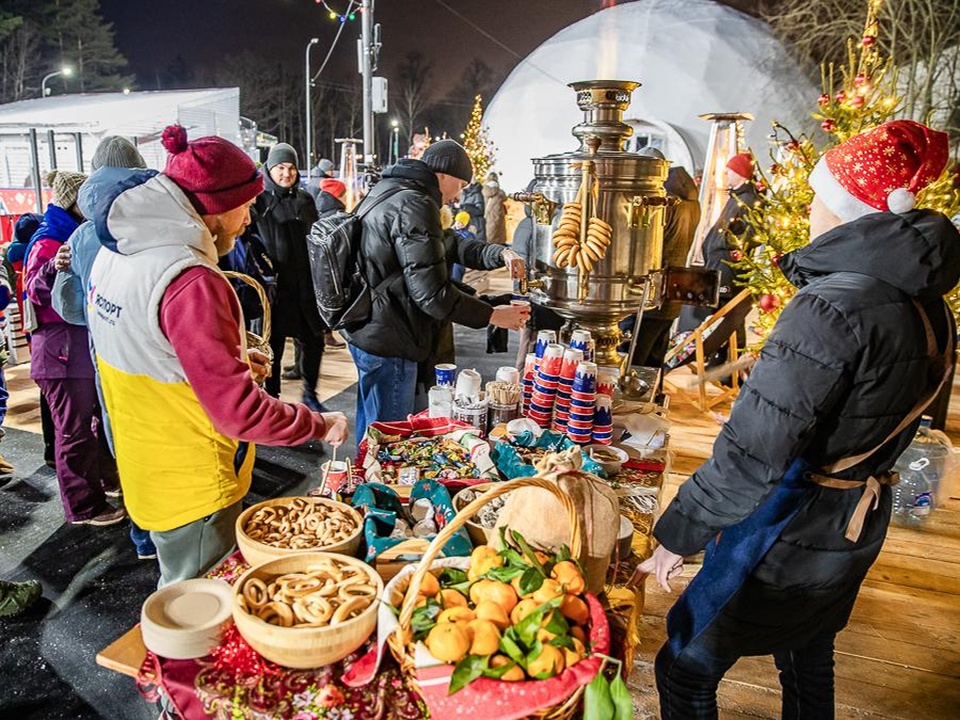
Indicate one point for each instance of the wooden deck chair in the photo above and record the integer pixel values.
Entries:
(709, 338)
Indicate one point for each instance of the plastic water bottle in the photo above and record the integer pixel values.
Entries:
(913, 495)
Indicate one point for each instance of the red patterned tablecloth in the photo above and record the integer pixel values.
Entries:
(236, 683)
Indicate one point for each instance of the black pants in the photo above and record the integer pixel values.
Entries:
(687, 682)
(310, 356)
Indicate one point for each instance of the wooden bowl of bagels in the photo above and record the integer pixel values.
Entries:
(308, 609)
(291, 525)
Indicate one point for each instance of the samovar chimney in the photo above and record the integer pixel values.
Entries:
(603, 103)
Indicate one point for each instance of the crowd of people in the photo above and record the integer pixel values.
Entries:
(139, 341)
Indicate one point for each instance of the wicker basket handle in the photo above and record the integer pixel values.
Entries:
(467, 512)
(261, 294)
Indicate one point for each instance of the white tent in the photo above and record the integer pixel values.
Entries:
(140, 116)
(692, 56)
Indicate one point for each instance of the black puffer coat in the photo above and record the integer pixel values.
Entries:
(283, 217)
(845, 363)
(403, 241)
(327, 204)
(717, 251)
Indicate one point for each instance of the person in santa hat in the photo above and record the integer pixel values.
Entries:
(793, 506)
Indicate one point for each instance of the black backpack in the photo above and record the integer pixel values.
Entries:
(344, 298)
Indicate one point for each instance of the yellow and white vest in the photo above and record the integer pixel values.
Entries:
(175, 467)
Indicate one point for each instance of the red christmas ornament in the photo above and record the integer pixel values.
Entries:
(840, 96)
(823, 100)
(769, 302)
(857, 101)
(775, 169)
(868, 41)
(775, 260)
(859, 79)
(736, 255)
(793, 146)
(828, 125)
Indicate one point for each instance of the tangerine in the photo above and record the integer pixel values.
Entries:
(489, 610)
(456, 614)
(514, 674)
(568, 574)
(547, 664)
(523, 608)
(575, 609)
(452, 598)
(448, 642)
(548, 591)
(484, 637)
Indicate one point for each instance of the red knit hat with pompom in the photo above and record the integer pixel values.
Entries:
(213, 173)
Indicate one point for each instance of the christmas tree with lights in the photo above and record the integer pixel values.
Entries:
(856, 97)
(477, 143)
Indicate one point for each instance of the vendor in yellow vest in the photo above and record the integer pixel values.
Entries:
(177, 376)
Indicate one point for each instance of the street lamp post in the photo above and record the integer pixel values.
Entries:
(308, 83)
(65, 71)
(396, 139)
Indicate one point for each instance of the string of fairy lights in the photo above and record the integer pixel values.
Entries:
(349, 15)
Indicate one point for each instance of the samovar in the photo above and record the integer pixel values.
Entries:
(622, 189)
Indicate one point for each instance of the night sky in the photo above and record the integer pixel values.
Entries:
(151, 34)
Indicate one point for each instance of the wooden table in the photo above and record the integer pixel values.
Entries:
(125, 654)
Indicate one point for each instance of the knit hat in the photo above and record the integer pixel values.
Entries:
(742, 165)
(333, 187)
(324, 167)
(26, 226)
(881, 169)
(213, 173)
(65, 186)
(281, 153)
(118, 152)
(462, 218)
(448, 157)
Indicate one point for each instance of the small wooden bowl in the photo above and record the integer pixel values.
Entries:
(304, 647)
(256, 552)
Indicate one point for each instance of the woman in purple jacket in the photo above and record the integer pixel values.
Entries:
(60, 364)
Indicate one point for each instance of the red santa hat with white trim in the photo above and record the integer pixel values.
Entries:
(880, 170)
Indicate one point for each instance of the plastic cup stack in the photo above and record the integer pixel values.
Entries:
(568, 368)
(579, 339)
(603, 419)
(526, 382)
(606, 383)
(545, 385)
(582, 403)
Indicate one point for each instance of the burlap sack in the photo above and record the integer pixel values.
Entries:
(541, 519)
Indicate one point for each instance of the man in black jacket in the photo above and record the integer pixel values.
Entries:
(406, 264)
(283, 214)
(793, 506)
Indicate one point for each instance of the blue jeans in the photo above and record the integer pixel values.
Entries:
(386, 388)
(141, 539)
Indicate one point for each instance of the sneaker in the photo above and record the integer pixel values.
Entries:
(111, 516)
(332, 340)
(314, 404)
(147, 555)
(289, 368)
(293, 374)
(114, 492)
(15, 597)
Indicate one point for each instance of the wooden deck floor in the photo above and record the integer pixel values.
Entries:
(900, 655)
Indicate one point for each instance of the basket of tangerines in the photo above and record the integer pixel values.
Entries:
(509, 633)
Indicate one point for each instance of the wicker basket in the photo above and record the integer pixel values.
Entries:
(261, 343)
(404, 651)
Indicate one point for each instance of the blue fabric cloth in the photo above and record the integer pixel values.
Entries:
(732, 556)
(141, 540)
(386, 389)
(383, 507)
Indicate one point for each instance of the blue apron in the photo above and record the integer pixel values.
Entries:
(732, 556)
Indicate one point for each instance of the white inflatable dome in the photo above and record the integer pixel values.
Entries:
(692, 56)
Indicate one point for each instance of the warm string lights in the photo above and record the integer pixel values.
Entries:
(477, 142)
(856, 97)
